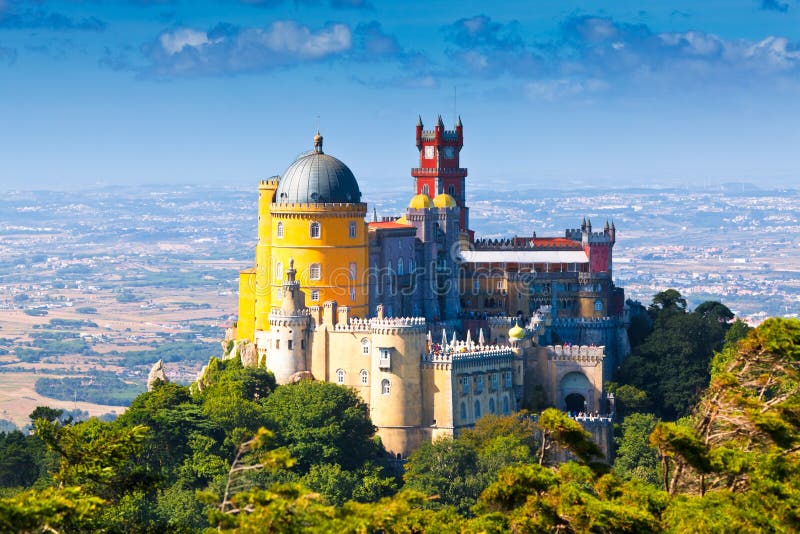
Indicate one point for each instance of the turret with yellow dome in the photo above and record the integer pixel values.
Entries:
(443, 200)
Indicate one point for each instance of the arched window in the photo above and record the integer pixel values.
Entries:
(598, 305)
(451, 190)
(365, 347)
(314, 271)
(386, 387)
(364, 377)
(463, 411)
(411, 265)
(491, 405)
(340, 376)
(315, 295)
(314, 230)
(279, 230)
(279, 271)
(426, 190)
(477, 410)
(353, 229)
(353, 270)
(506, 411)
(400, 266)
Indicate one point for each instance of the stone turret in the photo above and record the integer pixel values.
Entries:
(289, 329)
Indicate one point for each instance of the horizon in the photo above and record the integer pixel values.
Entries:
(567, 95)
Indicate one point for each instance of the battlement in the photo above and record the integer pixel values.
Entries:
(398, 325)
(463, 351)
(501, 321)
(448, 135)
(271, 183)
(580, 353)
(278, 313)
(339, 209)
(589, 322)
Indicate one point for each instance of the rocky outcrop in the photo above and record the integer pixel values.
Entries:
(156, 374)
(248, 354)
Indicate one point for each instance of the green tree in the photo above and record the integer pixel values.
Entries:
(635, 457)
(320, 422)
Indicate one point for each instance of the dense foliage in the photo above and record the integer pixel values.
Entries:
(237, 453)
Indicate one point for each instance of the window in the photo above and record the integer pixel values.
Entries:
(353, 229)
(499, 285)
(279, 230)
(314, 230)
(340, 376)
(508, 379)
(464, 385)
(353, 294)
(386, 387)
(277, 343)
(479, 384)
(477, 409)
(411, 266)
(463, 411)
(491, 405)
(506, 411)
(353, 270)
(365, 347)
(476, 285)
(289, 344)
(279, 271)
(598, 305)
(385, 359)
(451, 190)
(364, 377)
(401, 269)
(314, 295)
(314, 271)
(493, 381)
(426, 190)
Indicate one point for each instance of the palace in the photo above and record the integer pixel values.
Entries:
(433, 327)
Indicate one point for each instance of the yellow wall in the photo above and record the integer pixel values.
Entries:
(334, 250)
(245, 327)
(266, 193)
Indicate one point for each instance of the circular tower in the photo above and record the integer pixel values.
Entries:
(319, 220)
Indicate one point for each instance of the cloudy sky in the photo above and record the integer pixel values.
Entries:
(550, 93)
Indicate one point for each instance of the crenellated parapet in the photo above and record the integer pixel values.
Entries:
(463, 354)
(576, 353)
(398, 325)
(355, 324)
(585, 322)
(499, 322)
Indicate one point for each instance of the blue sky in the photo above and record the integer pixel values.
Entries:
(550, 93)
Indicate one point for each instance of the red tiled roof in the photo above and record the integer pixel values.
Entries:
(552, 242)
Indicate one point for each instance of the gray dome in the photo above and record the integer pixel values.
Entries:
(317, 177)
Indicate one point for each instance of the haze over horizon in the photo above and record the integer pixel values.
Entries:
(178, 92)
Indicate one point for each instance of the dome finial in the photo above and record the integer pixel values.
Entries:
(318, 143)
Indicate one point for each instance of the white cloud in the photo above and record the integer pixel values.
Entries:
(174, 42)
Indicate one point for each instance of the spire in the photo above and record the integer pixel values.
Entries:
(589, 223)
(291, 271)
(612, 225)
(374, 214)
(318, 143)
(440, 122)
(419, 122)
(481, 339)
(606, 227)
(455, 339)
(469, 338)
(458, 123)
(444, 338)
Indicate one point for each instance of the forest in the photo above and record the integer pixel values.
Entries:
(708, 440)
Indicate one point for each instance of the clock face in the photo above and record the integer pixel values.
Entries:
(429, 151)
(448, 152)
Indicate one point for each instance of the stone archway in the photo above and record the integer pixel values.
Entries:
(575, 402)
(576, 392)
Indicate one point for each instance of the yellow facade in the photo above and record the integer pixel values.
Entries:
(331, 259)
(266, 194)
(246, 325)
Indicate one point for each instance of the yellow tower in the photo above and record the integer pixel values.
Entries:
(318, 221)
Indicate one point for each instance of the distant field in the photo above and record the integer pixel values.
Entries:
(18, 399)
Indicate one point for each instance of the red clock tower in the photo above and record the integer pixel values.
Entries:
(438, 170)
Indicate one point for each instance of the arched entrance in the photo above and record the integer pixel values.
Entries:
(575, 402)
(577, 393)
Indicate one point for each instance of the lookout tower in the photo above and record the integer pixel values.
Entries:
(439, 170)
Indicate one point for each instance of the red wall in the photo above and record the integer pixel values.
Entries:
(599, 256)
